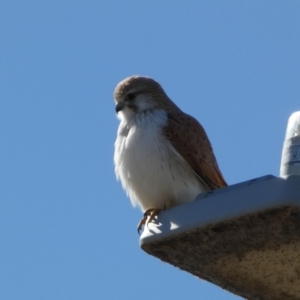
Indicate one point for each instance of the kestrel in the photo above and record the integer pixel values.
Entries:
(163, 156)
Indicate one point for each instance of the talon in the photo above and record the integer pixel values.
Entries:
(151, 213)
(141, 223)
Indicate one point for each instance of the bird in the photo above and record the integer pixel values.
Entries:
(162, 156)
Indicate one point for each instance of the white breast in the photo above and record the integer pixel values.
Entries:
(152, 172)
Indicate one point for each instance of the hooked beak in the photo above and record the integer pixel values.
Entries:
(119, 107)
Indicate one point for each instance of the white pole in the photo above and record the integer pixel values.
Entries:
(290, 159)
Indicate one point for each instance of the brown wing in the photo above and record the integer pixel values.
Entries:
(188, 137)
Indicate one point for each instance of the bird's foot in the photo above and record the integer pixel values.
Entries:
(151, 213)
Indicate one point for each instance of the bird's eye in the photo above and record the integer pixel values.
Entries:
(130, 96)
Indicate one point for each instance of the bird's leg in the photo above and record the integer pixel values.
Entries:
(143, 221)
(151, 213)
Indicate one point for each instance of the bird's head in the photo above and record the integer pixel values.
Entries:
(138, 94)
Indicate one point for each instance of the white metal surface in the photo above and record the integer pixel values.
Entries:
(244, 238)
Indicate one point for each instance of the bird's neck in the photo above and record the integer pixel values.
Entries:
(149, 117)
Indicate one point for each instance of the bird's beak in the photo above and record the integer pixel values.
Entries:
(119, 106)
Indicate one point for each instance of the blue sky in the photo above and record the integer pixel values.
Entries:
(67, 230)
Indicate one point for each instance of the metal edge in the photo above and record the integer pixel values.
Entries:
(257, 195)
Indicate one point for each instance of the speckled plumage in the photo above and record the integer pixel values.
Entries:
(162, 156)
